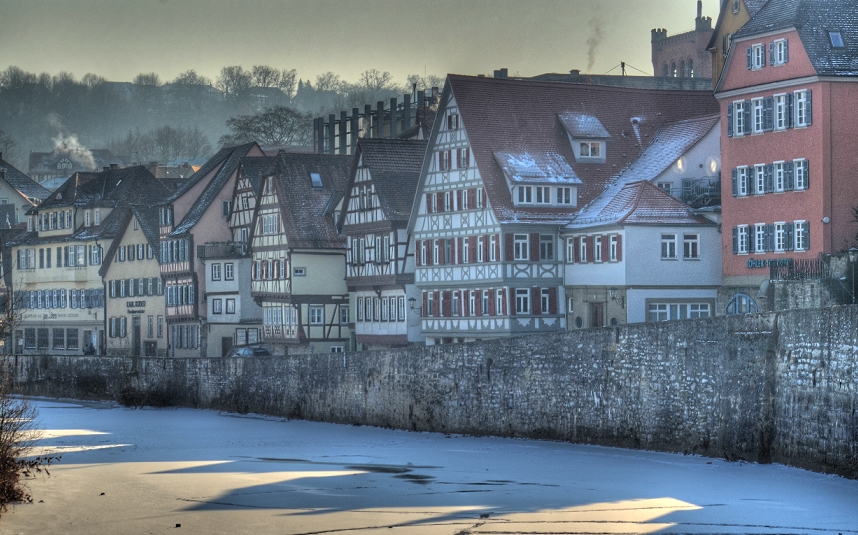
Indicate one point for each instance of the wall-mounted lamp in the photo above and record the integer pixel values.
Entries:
(826, 220)
(621, 300)
(411, 302)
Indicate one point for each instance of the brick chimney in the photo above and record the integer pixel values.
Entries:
(153, 168)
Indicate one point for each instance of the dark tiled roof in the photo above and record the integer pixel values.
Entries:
(306, 212)
(518, 116)
(639, 203)
(212, 163)
(22, 183)
(108, 188)
(253, 168)
(230, 164)
(727, 7)
(394, 165)
(147, 216)
(83, 159)
(813, 19)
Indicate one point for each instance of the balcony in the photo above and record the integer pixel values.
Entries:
(222, 250)
(701, 192)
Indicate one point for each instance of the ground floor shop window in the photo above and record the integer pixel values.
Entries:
(678, 311)
(71, 339)
(42, 338)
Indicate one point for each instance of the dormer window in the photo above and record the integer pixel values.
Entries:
(87, 219)
(735, 6)
(836, 39)
(590, 149)
(316, 180)
(97, 216)
(29, 223)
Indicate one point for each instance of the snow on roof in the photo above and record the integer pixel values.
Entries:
(583, 126)
(548, 167)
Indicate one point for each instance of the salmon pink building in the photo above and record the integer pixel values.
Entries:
(789, 152)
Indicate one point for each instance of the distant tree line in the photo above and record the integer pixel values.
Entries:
(149, 119)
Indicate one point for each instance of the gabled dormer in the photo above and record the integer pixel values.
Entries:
(539, 179)
(587, 136)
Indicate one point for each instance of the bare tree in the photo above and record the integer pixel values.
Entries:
(190, 77)
(279, 125)
(423, 83)
(162, 144)
(16, 77)
(376, 81)
(288, 81)
(233, 81)
(8, 146)
(92, 80)
(147, 78)
(265, 76)
(330, 82)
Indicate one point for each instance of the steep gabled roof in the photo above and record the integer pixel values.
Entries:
(147, 216)
(83, 158)
(306, 212)
(637, 203)
(253, 168)
(524, 117)
(230, 158)
(394, 165)
(752, 6)
(22, 183)
(813, 19)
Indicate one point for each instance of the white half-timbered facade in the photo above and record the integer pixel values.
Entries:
(298, 260)
(509, 162)
(380, 260)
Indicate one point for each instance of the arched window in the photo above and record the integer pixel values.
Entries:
(741, 304)
(673, 69)
(690, 68)
(666, 70)
(682, 69)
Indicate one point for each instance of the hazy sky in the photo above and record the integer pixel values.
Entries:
(118, 39)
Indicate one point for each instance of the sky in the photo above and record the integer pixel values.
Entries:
(118, 39)
(151, 471)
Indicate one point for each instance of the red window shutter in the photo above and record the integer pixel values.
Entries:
(535, 301)
(492, 311)
(552, 300)
(435, 304)
(505, 300)
(472, 249)
(276, 274)
(441, 259)
(619, 247)
(459, 248)
(466, 157)
(509, 246)
(605, 245)
(425, 311)
(458, 159)
(477, 303)
(577, 251)
(472, 198)
(428, 203)
(589, 248)
(418, 245)
(448, 299)
(449, 122)
(439, 199)
(497, 246)
(534, 247)
(486, 245)
(510, 294)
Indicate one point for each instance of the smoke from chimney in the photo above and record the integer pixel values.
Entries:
(593, 42)
(68, 144)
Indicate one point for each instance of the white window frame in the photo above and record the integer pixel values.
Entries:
(522, 301)
(742, 247)
(229, 271)
(543, 195)
(760, 238)
(758, 56)
(759, 179)
(779, 176)
(564, 196)
(216, 271)
(613, 247)
(800, 235)
(780, 236)
(742, 181)
(525, 194)
(780, 57)
(800, 174)
(799, 105)
(780, 119)
(317, 315)
(269, 224)
(738, 118)
(521, 247)
(757, 107)
(691, 246)
(668, 246)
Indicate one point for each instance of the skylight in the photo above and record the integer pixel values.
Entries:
(316, 178)
(836, 39)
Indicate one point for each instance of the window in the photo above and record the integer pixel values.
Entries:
(317, 315)
(801, 235)
(668, 246)
(564, 195)
(757, 111)
(71, 339)
(215, 272)
(802, 108)
(217, 306)
(741, 188)
(481, 253)
(400, 303)
(87, 220)
(543, 195)
(582, 249)
(741, 240)
(836, 39)
(59, 339)
(95, 252)
(525, 194)
(493, 248)
(229, 271)
(122, 254)
(677, 311)
(800, 174)
(269, 224)
(780, 237)
(42, 338)
(546, 247)
(384, 309)
(316, 180)
(590, 149)
(344, 315)
(756, 57)
(735, 6)
(738, 117)
(97, 217)
(597, 249)
(520, 247)
(444, 160)
(741, 304)
(779, 52)
(759, 179)
(760, 238)
(522, 301)
(779, 176)
(691, 246)
(464, 156)
(545, 300)
(453, 121)
(614, 248)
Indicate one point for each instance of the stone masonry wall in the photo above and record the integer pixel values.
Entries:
(767, 388)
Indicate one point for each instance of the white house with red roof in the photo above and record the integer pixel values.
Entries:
(509, 162)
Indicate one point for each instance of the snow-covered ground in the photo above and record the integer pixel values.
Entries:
(149, 471)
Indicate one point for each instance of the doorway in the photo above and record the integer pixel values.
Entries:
(135, 336)
(597, 314)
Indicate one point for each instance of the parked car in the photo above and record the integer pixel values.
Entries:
(249, 351)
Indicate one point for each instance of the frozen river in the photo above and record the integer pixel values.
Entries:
(191, 471)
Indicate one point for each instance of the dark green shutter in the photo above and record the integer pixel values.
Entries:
(735, 184)
(729, 120)
(768, 114)
(748, 56)
(808, 110)
(735, 240)
(768, 179)
(789, 176)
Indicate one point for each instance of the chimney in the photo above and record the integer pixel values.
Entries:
(153, 168)
(575, 72)
(500, 74)
(699, 8)
(114, 166)
(106, 168)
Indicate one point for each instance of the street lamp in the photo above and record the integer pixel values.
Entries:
(613, 292)
(411, 302)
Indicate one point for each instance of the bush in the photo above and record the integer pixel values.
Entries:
(16, 444)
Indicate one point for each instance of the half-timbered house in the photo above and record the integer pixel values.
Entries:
(197, 214)
(299, 260)
(508, 163)
(380, 261)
